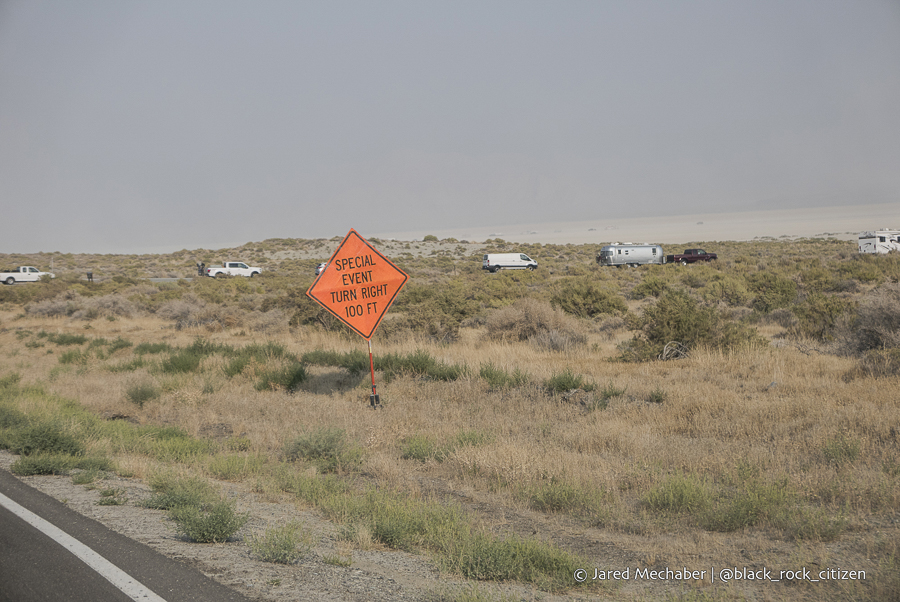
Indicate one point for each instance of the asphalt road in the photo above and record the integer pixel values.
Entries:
(36, 567)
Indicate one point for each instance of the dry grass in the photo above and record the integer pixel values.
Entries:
(780, 419)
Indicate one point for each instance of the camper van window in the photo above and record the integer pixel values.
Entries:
(654, 250)
(881, 239)
(619, 250)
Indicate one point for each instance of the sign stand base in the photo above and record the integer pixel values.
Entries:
(374, 400)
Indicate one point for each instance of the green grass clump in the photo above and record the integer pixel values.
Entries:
(57, 464)
(328, 448)
(287, 378)
(418, 447)
(565, 497)
(45, 437)
(181, 362)
(75, 356)
(212, 523)
(566, 381)
(285, 544)
(841, 450)
(152, 348)
(235, 467)
(171, 491)
(679, 493)
(67, 339)
(129, 366)
(497, 378)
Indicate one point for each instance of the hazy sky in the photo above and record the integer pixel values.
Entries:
(130, 126)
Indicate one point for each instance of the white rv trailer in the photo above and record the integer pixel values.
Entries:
(879, 241)
(631, 254)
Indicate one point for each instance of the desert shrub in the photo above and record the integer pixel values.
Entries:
(818, 315)
(419, 363)
(45, 437)
(497, 378)
(282, 544)
(328, 448)
(418, 447)
(746, 507)
(878, 363)
(170, 491)
(877, 322)
(567, 380)
(58, 306)
(142, 392)
(586, 298)
(528, 318)
(152, 348)
(436, 311)
(181, 310)
(356, 361)
(181, 361)
(287, 377)
(679, 493)
(212, 523)
(772, 290)
(75, 356)
(107, 305)
(651, 286)
(841, 450)
(65, 339)
(43, 464)
(274, 320)
(727, 289)
(678, 317)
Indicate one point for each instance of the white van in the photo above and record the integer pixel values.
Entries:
(627, 253)
(507, 261)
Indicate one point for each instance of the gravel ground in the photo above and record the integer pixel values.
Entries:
(373, 575)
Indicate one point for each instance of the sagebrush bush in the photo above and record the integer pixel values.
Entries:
(677, 317)
(772, 290)
(586, 298)
(142, 392)
(171, 491)
(283, 544)
(212, 523)
(818, 315)
(876, 324)
(45, 437)
(328, 448)
(529, 318)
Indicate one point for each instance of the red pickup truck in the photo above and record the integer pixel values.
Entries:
(691, 256)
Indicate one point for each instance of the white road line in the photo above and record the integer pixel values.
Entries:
(122, 580)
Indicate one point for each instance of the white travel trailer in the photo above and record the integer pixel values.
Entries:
(631, 254)
(507, 261)
(879, 241)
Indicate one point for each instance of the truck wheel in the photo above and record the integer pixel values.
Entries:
(493, 270)
(684, 262)
(10, 281)
(220, 274)
(531, 267)
(252, 274)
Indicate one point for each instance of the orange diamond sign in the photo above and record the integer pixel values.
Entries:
(358, 285)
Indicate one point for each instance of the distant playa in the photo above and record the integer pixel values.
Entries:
(844, 222)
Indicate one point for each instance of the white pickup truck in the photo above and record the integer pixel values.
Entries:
(23, 273)
(232, 268)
